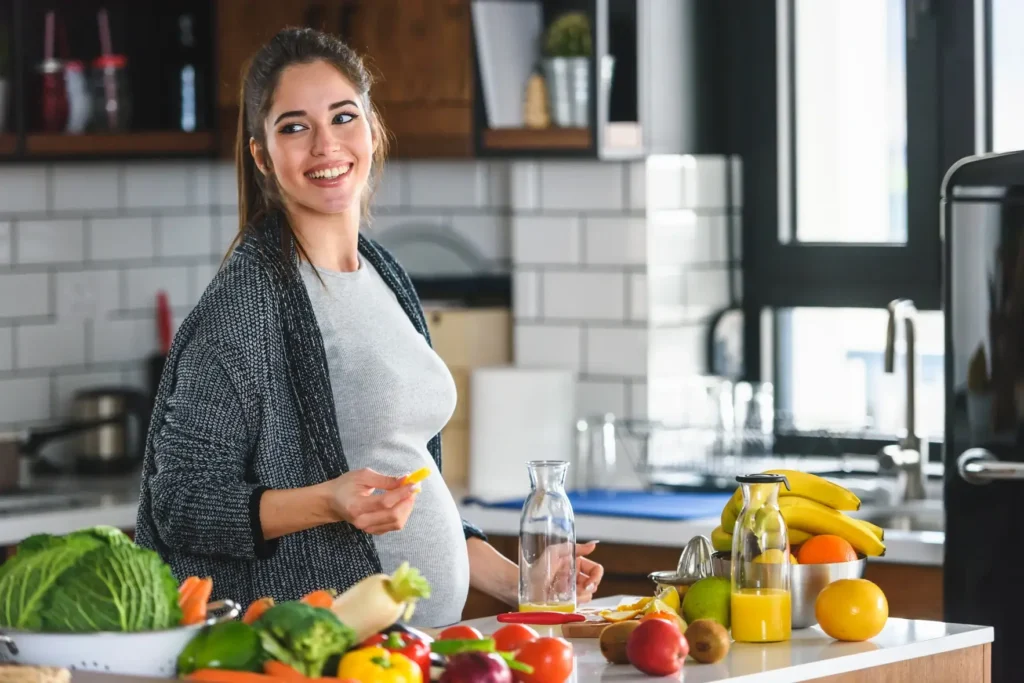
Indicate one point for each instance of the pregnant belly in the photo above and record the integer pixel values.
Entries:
(433, 542)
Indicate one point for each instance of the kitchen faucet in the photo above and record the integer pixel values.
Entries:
(911, 453)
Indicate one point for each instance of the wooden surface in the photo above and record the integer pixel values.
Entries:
(420, 52)
(128, 143)
(242, 26)
(586, 629)
(970, 665)
(8, 143)
(913, 591)
(543, 138)
(465, 339)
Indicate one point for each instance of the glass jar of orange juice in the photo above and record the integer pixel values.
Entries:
(761, 603)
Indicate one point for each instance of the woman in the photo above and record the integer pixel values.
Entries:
(304, 382)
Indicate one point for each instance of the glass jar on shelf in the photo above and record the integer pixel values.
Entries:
(547, 542)
(111, 93)
(761, 600)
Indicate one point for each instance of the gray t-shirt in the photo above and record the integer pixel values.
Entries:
(393, 393)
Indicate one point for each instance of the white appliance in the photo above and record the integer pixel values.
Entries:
(518, 415)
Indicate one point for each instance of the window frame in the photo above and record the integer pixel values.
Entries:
(943, 126)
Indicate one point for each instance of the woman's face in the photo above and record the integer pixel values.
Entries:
(319, 140)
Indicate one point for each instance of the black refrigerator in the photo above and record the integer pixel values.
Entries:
(983, 451)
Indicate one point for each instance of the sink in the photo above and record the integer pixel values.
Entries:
(21, 503)
(921, 515)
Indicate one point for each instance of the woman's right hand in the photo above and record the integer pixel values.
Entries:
(352, 500)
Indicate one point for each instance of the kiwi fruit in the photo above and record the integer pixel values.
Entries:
(613, 640)
(708, 640)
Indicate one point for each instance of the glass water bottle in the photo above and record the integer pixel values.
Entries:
(547, 542)
(761, 602)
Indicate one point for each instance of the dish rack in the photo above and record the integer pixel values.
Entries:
(721, 430)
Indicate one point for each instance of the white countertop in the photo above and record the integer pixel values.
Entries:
(115, 502)
(809, 655)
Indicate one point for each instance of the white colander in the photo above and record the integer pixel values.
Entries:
(145, 653)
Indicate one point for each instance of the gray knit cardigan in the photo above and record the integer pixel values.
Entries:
(244, 405)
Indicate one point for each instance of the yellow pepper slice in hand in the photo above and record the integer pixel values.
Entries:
(379, 665)
(417, 476)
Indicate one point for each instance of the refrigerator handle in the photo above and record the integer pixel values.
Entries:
(980, 466)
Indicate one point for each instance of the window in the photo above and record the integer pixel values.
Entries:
(845, 135)
(850, 122)
(1006, 56)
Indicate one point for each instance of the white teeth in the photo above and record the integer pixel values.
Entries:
(328, 173)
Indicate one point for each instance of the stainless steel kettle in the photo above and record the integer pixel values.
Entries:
(116, 446)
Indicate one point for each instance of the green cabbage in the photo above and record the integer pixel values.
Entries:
(91, 580)
(120, 588)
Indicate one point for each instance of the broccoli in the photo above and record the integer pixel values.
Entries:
(302, 636)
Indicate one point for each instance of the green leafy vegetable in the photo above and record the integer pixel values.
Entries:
(89, 580)
(119, 588)
(27, 578)
(302, 636)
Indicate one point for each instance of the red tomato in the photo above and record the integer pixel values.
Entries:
(460, 632)
(551, 659)
(511, 637)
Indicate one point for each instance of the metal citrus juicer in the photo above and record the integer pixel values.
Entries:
(694, 564)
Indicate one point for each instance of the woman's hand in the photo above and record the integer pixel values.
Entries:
(588, 572)
(352, 500)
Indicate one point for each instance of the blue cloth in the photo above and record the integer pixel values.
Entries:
(666, 506)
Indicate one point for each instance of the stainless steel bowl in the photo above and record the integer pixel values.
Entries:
(805, 582)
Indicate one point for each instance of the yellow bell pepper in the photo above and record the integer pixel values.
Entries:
(379, 665)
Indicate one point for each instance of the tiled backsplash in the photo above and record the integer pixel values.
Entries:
(617, 269)
(85, 247)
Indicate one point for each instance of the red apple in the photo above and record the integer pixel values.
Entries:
(657, 648)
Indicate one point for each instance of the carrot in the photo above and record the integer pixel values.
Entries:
(194, 609)
(280, 670)
(321, 598)
(256, 609)
(226, 676)
(187, 586)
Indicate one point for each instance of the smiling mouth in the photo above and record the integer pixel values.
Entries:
(329, 173)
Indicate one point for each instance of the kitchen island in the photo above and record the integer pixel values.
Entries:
(905, 650)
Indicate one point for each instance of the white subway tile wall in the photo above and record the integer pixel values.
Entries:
(84, 247)
(633, 256)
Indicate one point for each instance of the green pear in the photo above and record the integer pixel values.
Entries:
(708, 598)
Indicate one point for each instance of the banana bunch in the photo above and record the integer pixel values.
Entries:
(811, 506)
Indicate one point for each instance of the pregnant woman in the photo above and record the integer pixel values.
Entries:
(302, 388)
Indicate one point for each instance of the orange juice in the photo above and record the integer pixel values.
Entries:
(567, 607)
(761, 615)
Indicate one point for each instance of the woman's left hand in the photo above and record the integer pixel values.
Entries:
(588, 572)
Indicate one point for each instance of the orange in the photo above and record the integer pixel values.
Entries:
(826, 549)
(670, 617)
(851, 609)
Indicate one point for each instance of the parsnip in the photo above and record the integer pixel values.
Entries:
(378, 601)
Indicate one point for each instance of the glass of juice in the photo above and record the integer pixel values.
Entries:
(547, 542)
(761, 602)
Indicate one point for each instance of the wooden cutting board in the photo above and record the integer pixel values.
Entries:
(584, 629)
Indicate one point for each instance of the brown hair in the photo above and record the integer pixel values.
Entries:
(258, 194)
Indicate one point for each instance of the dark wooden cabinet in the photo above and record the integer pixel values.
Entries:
(417, 50)
(421, 54)
(913, 591)
(242, 27)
